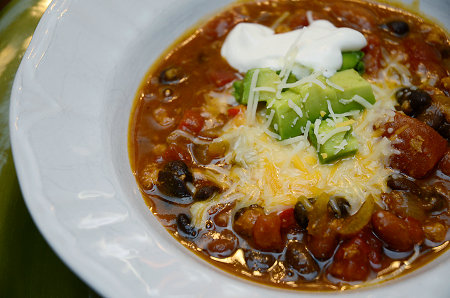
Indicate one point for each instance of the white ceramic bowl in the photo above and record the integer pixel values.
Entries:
(70, 109)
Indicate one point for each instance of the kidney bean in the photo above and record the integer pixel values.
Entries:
(415, 230)
(392, 230)
(245, 219)
(323, 244)
(375, 255)
(420, 147)
(298, 257)
(266, 232)
(258, 261)
(223, 245)
(350, 262)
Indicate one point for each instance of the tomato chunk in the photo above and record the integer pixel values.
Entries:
(266, 232)
(232, 112)
(350, 261)
(220, 77)
(192, 122)
(175, 152)
(287, 218)
(420, 147)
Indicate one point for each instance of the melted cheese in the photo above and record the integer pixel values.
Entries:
(273, 174)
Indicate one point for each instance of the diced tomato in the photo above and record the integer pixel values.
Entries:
(175, 152)
(232, 112)
(420, 146)
(287, 218)
(192, 122)
(266, 232)
(220, 77)
(350, 262)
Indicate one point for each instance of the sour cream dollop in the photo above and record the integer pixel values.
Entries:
(317, 46)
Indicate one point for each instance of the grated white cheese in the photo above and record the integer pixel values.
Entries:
(295, 107)
(335, 86)
(359, 99)
(251, 97)
(323, 139)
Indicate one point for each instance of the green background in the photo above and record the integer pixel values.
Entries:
(28, 266)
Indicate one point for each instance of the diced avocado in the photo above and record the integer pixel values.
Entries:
(284, 121)
(266, 78)
(328, 152)
(316, 98)
(353, 60)
(353, 84)
(238, 90)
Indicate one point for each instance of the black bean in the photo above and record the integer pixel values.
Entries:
(205, 192)
(339, 206)
(179, 169)
(403, 183)
(432, 116)
(398, 28)
(172, 75)
(444, 130)
(258, 261)
(184, 226)
(298, 257)
(412, 102)
(420, 100)
(171, 185)
(301, 215)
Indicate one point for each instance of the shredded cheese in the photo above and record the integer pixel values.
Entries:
(295, 107)
(335, 86)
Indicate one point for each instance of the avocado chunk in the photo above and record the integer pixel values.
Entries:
(353, 60)
(266, 78)
(353, 84)
(329, 151)
(316, 105)
(286, 121)
(238, 90)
